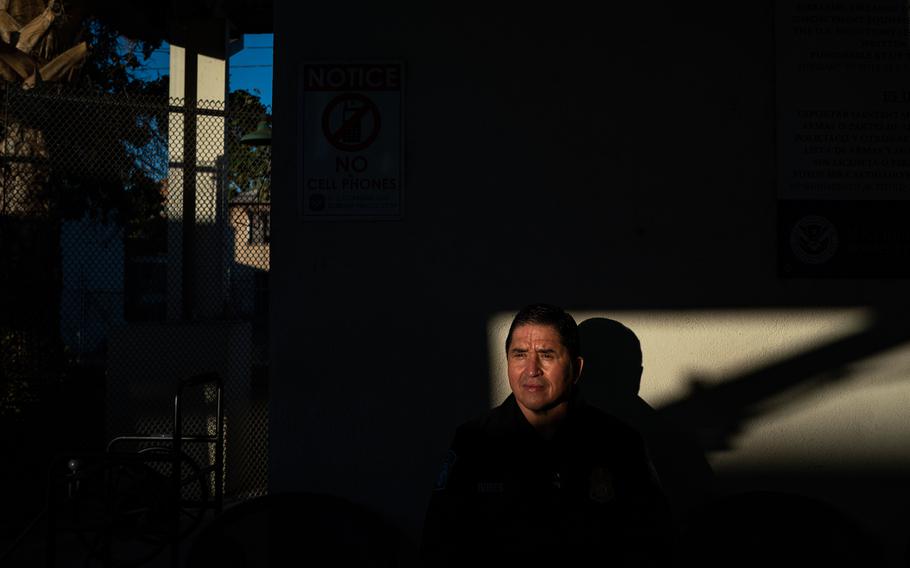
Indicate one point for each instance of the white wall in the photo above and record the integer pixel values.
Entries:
(618, 164)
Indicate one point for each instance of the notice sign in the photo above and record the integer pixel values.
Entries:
(351, 141)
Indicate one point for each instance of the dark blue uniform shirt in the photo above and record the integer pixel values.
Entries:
(506, 496)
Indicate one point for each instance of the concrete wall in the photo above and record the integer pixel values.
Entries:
(619, 164)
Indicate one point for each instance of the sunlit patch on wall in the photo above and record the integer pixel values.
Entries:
(828, 410)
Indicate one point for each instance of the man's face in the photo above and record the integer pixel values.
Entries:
(541, 371)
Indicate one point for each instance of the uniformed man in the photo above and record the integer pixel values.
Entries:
(544, 478)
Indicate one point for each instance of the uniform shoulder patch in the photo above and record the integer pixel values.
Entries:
(442, 479)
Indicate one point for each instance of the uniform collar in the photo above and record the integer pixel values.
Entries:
(515, 421)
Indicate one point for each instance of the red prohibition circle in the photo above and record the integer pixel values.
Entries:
(334, 137)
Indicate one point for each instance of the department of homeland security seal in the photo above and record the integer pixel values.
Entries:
(813, 239)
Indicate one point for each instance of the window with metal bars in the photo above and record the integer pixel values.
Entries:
(259, 229)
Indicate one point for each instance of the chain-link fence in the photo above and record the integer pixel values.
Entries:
(134, 251)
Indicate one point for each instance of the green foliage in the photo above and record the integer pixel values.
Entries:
(70, 150)
(113, 62)
(107, 155)
(249, 167)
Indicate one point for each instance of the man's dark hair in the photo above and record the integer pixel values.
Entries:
(553, 316)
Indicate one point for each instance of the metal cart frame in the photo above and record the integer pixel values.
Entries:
(111, 472)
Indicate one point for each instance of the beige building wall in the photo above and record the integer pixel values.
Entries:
(253, 255)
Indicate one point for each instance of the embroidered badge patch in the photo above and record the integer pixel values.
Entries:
(601, 485)
(443, 478)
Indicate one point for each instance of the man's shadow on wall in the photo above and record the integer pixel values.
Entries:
(611, 380)
(776, 528)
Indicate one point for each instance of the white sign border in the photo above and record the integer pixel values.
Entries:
(302, 65)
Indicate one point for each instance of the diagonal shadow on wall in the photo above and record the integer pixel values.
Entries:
(711, 416)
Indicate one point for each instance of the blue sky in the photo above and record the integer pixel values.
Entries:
(251, 68)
